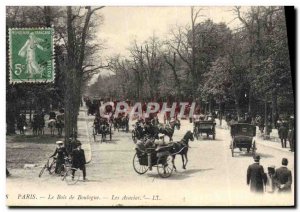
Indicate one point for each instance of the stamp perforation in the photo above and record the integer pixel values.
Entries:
(30, 80)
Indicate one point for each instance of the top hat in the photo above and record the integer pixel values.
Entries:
(284, 161)
(256, 158)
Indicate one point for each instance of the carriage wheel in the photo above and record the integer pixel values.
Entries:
(138, 168)
(133, 136)
(110, 134)
(165, 166)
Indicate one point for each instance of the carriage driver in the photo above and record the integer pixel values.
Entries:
(61, 153)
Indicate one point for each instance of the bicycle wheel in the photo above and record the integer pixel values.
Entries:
(52, 166)
(42, 171)
(69, 178)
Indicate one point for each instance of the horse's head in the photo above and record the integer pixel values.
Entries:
(188, 136)
(177, 124)
(174, 123)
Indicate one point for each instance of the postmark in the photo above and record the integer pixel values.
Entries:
(31, 55)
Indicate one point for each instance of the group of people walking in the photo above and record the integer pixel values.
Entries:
(276, 180)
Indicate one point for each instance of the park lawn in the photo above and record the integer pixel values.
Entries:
(28, 149)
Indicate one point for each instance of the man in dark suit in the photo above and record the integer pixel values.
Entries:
(256, 176)
(283, 177)
(78, 160)
(283, 133)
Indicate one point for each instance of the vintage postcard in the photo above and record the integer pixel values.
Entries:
(149, 106)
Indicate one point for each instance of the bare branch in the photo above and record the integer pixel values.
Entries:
(94, 69)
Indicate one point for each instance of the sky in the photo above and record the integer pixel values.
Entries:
(122, 25)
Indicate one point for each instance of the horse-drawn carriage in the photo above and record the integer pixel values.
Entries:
(243, 137)
(93, 106)
(121, 123)
(103, 128)
(205, 126)
(149, 155)
(138, 131)
(152, 127)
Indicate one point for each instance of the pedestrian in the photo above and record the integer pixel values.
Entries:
(256, 176)
(61, 153)
(291, 134)
(283, 133)
(78, 160)
(283, 177)
(8, 174)
(270, 185)
(52, 115)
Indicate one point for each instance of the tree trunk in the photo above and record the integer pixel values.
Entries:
(274, 107)
(266, 120)
(250, 97)
(237, 106)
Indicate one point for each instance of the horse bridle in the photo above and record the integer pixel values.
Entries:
(185, 140)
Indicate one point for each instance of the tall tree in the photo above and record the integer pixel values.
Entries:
(78, 24)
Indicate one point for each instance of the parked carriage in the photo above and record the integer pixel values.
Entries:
(205, 126)
(243, 137)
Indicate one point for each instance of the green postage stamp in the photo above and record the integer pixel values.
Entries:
(31, 55)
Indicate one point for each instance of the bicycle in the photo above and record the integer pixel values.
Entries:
(67, 170)
(49, 166)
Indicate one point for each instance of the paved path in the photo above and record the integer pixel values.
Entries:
(273, 142)
(83, 133)
(212, 177)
